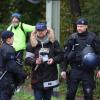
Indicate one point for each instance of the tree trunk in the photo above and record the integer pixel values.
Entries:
(75, 11)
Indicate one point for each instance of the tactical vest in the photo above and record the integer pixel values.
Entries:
(79, 43)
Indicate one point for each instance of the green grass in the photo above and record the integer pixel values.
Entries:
(26, 95)
(23, 95)
(26, 92)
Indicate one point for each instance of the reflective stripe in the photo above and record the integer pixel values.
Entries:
(3, 75)
(51, 83)
(29, 54)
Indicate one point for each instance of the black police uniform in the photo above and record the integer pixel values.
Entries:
(1, 61)
(11, 73)
(74, 58)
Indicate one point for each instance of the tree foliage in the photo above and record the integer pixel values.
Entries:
(92, 13)
(87, 8)
(70, 11)
(31, 12)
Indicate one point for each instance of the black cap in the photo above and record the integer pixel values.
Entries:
(6, 34)
(82, 21)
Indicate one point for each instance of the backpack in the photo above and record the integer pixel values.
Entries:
(27, 35)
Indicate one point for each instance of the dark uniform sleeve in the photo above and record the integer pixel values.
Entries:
(67, 48)
(17, 72)
(30, 56)
(58, 52)
(1, 60)
(8, 54)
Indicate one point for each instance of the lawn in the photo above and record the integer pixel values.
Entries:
(26, 94)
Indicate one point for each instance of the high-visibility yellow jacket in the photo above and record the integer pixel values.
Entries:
(19, 35)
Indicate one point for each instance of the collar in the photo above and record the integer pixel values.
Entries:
(83, 34)
(43, 40)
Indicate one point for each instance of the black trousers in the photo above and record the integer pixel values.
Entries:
(6, 94)
(88, 84)
(42, 94)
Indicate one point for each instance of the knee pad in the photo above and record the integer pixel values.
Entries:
(88, 94)
(88, 90)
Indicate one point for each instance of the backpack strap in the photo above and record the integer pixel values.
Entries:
(11, 28)
(21, 26)
(25, 33)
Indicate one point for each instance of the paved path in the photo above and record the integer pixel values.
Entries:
(79, 98)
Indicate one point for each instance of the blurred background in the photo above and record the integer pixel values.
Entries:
(33, 11)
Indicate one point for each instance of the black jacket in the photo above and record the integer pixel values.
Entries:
(1, 60)
(79, 41)
(45, 72)
(14, 75)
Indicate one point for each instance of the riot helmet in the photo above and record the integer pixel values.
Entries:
(89, 58)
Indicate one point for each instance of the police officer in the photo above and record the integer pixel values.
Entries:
(81, 51)
(11, 74)
(43, 54)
